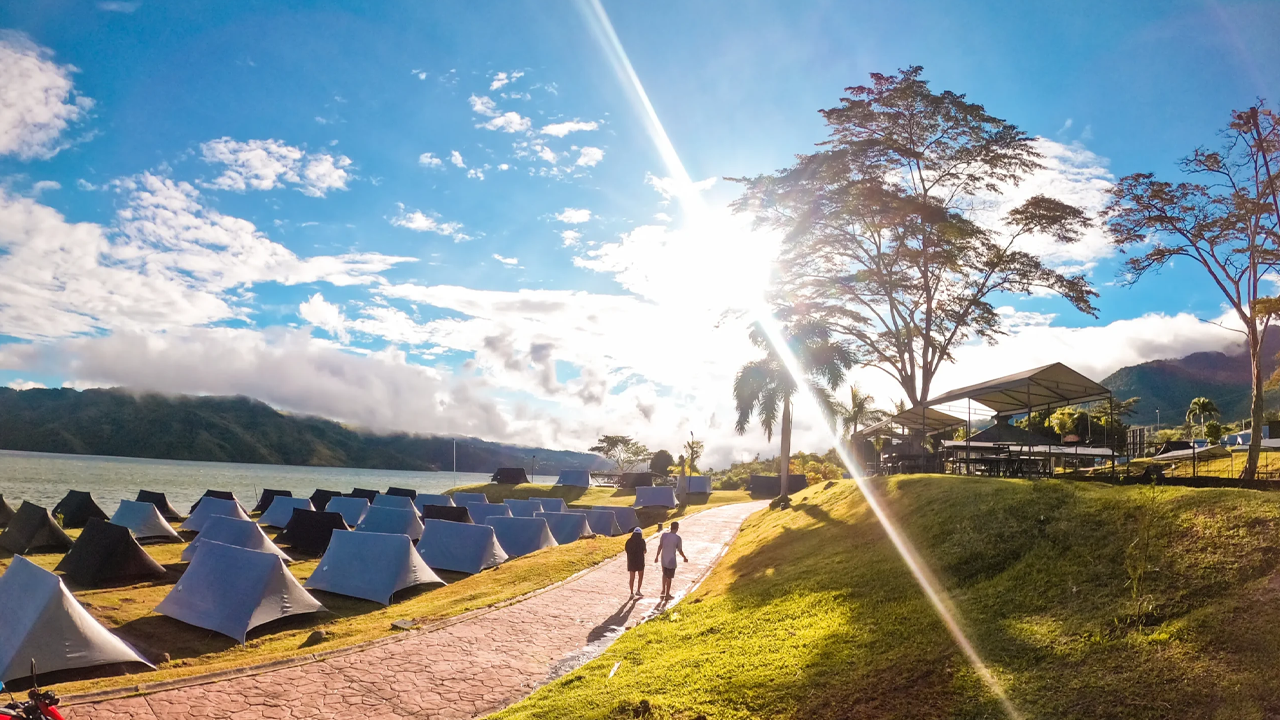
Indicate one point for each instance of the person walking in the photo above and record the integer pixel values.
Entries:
(636, 549)
(668, 546)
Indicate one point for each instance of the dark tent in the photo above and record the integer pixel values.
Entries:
(76, 507)
(107, 554)
(167, 511)
(510, 476)
(268, 496)
(635, 480)
(6, 512)
(771, 485)
(308, 531)
(402, 492)
(320, 498)
(441, 512)
(220, 494)
(362, 493)
(32, 529)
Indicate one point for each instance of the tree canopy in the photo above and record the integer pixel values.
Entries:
(624, 452)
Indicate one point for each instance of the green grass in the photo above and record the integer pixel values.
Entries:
(1268, 466)
(812, 615)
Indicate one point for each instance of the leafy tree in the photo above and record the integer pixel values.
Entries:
(624, 452)
(1228, 224)
(1201, 408)
(1213, 431)
(692, 452)
(859, 413)
(661, 462)
(1070, 420)
(882, 237)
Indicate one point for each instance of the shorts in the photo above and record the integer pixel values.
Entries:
(668, 572)
(635, 564)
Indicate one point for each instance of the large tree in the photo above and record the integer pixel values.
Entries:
(882, 232)
(1225, 222)
(624, 452)
(859, 413)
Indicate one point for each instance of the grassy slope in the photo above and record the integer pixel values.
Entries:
(812, 614)
(1268, 466)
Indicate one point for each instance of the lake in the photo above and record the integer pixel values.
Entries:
(43, 478)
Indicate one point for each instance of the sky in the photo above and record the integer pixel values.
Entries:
(491, 219)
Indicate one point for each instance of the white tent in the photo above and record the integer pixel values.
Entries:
(574, 478)
(460, 547)
(550, 504)
(698, 484)
(231, 590)
(462, 498)
(394, 501)
(655, 497)
(521, 535)
(351, 509)
(566, 527)
(479, 512)
(41, 620)
(211, 507)
(281, 510)
(603, 522)
(626, 516)
(371, 566)
(425, 499)
(232, 531)
(523, 508)
(392, 520)
(145, 522)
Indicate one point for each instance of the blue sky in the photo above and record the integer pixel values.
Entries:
(263, 198)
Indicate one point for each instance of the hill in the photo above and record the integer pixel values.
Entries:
(237, 429)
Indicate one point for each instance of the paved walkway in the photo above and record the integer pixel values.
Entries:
(463, 670)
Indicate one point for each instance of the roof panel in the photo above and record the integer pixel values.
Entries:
(1041, 388)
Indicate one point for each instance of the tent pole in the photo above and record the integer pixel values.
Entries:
(968, 433)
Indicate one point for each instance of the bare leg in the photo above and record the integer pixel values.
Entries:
(639, 583)
(631, 582)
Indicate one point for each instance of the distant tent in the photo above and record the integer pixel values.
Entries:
(550, 504)
(521, 535)
(523, 508)
(566, 527)
(576, 478)
(402, 492)
(698, 484)
(309, 531)
(351, 509)
(280, 511)
(391, 520)
(480, 513)
(465, 498)
(320, 498)
(626, 516)
(233, 531)
(510, 476)
(363, 493)
(441, 512)
(603, 522)
(268, 496)
(370, 566)
(771, 485)
(403, 502)
(33, 530)
(655, 497)
(6, 512)
(460, 547)
(41, 620)
(220, 494)
(636, 479)
(167, 511)
(231, 590)
(144, 521)
(76, 507)
(107, 554)
(424, 499)
(211, 507)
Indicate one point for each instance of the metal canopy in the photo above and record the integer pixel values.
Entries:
(1043, 388)
(917, 418)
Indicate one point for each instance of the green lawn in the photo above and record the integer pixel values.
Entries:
(812, 614)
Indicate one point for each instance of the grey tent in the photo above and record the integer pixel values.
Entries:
(6, 512)
(309, 531)
(603, 522)
(463, 498)
(233, 531)
(221, 495)
(320, 498)
(268, 497)
(363, 493)
(698, 484)
(566, 527)
(41, 620)
(636, 479)
(33, 530)
(392, 520)
(425, 499)
(404, 492)
(771, 485)
(655, 497)
(351, 509)
(231, 590)
(523, 508)
(626, 516)
(167, 511)
(370, 566)
(144, 521)
(481, 512)
(521, 535)
(394, 501)
(280, 512)
(574, 478)
(76, 508)
(211, 507)
(550, 504)
(460, 547)
(107, 554)
(510, 476)
(442, 512)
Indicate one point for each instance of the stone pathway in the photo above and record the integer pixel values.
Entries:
(463, 670)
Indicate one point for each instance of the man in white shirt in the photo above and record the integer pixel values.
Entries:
(668, 545)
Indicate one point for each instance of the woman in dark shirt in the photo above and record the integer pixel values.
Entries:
(635, 561)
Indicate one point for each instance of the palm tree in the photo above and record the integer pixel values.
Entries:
(859, 413)
(764, 387)
(693, 450)
(1200, 408)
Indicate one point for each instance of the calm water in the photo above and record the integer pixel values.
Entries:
(43, 478)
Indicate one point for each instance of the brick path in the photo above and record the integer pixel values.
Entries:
(460, 671)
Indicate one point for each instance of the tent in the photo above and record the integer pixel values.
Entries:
(402, 492)
(320, 498)
(269, 496)
(220, 494)
(32, 530)
(523, 508)
(370, 566)
(394, 501)
(626, 516)
(6, 512)
(1042, 388)
(566, 527)
(210, 507)
(550, 504)
(280, 512)
(479, 513)
(465, 498)
(41, 620)
(144, 521)
(107, 554)
(602, 522)
(698, 484)
(655, 497)
(75, 509)
(636, 479)
(441, 512)
(510, 476)
(309, 531)
(521, 535)
(351, 509)
(460, 547)
(771, 485)
(391, 520)
(575, 478)
(363, 493)
(424, 499)
(233, 531)
(167, 511)
(231, 590)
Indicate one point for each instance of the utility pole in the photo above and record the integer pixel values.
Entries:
(455, 455)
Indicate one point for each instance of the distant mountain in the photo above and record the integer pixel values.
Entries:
(1170, 385)
(238, 429)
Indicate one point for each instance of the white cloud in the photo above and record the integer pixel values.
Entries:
(430, 160)
(508, 122)
(589, 157)
(505, 260)
(546, 153)
(37, 99)
(43, 186)
(20, 384)
(475, 174)
(269, 164)
(483, 106)
(564, 128)
(120, 7)
(323, 173)
(324, 315)
(455, 157)
(574, 216)
(504, 166)
(570, 238)
(501, 79)
(420, 222)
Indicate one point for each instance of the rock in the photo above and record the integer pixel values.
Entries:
(403, 624)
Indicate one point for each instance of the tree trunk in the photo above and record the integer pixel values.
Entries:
(786, 445)
(1255, 434)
